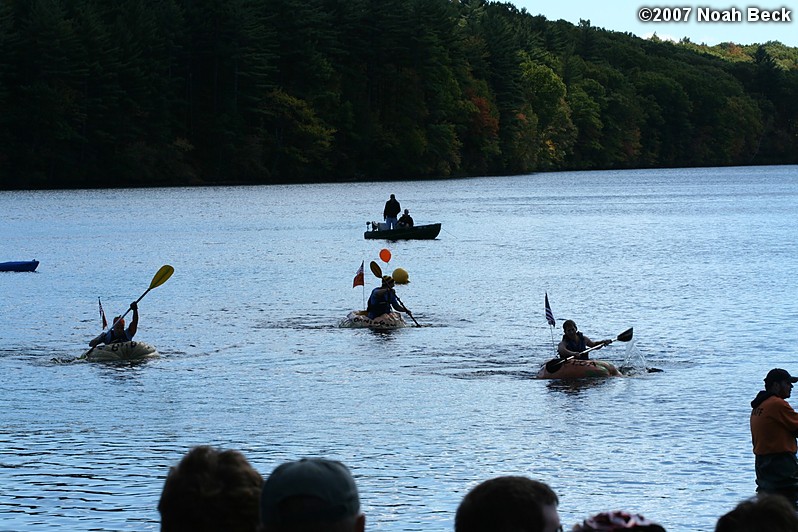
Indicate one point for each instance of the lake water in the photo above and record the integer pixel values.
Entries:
(701, 262)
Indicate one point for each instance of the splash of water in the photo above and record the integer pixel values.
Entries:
(634, 360)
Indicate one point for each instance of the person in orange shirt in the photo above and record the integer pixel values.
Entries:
(774, 427)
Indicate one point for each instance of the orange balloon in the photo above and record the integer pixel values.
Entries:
(385, 255)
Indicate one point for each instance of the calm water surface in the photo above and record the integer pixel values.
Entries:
(702, 263)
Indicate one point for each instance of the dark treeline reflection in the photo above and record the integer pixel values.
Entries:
(164, 92)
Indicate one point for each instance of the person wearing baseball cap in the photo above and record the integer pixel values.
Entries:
(774, 426)
(311, 495)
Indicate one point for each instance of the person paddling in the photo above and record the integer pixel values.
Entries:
(573, 342)
(118, 333)
(383, 298)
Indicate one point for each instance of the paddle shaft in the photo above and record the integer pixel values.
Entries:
(131, 306)
(408, 311)
(161, 276)
(586, 351)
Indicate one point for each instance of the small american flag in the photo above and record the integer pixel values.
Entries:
(359, 279)
(102, 313)
(549, 313)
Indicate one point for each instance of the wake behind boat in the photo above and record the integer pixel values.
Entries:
(416, 232)
(132, 350)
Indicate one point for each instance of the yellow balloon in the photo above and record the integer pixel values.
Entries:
(400, 276)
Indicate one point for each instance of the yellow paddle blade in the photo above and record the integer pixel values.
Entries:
(375, 269)
(162, 276)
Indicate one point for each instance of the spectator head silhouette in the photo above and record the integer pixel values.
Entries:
(311, 495)
(770, 512)
(211, 490)
(508, 504)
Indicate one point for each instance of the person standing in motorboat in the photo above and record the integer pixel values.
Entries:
(406, 220)
(573, 342)
(118, 333)
(774, 426)
(383, 298)
(391, 211)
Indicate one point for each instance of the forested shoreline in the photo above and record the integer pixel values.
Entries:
(207, 92)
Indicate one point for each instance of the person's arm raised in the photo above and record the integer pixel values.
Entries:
(134, 323)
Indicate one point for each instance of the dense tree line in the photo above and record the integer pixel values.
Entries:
(162, 92)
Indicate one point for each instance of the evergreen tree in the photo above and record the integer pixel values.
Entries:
(45, 110)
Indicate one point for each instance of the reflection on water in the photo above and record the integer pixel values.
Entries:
(576, 386)
(252, 356)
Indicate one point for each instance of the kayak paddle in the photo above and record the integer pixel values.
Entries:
(554, 365)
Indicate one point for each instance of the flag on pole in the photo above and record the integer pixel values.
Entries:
(102, 313)
(549, 313)
(359, 278)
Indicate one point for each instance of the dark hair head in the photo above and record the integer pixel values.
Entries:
(211, 490)
(505, 504)
(770, 512)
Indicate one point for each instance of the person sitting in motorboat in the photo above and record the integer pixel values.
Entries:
(383, 298)
(573, 342)
(406, 220)
(118, 333)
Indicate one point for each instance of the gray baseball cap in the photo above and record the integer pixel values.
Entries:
(324, 489)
